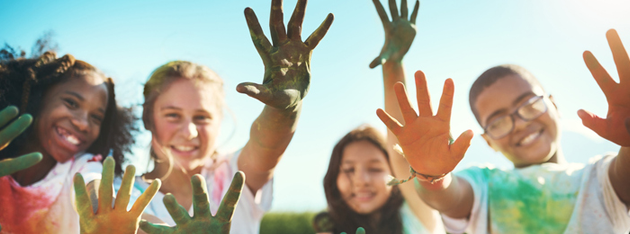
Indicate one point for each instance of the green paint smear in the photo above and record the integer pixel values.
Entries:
(518, 204)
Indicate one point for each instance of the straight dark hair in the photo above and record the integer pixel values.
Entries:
(340, 217)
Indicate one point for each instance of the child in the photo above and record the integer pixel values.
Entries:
(75, 117)
(544, 193)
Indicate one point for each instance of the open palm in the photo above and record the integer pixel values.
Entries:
(425, 138)
(287, 61)
(399, 33)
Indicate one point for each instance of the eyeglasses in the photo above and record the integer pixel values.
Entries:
(502, 126)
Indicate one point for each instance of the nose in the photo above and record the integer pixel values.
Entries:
(519, 123)
(361, 177)
(80, 121)
(189, 130)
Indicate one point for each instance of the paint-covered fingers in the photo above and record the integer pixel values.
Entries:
(414, 14)
(422, 95)
(124, 193)
(446, 102)
(381, 13)
(377, 61)
(106, 189)
(7, 114)
(461, 144)
(82, 199)
(360, 230)
(393, 9)
(403, 9)
(231, 198)
(12, 165)
(603, 79)
(408, 113)
(261, 42)
(15, 128)
(150, 228)
(313, 40)
(177, 212)
(619, 55)
(295, 23)
(143, 201)
(201, 204)
(254, 90)
(389, 121)
(276, 23)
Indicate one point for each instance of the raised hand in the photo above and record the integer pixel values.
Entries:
(425, 138)
(288, 61)
(613, 127)
(399, 33)
(9, 132)
(202, 220)
(108, 219)
(360, 230)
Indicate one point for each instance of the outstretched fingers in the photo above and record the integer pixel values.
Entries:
(295, 23)
(403, 9)
(276, 23)
(603, 79)
(446, 102)
(414, 14)
(389, 121)
(261, 42)
(106, 189)
(408, 113)
(231, 198)
(593, 122)
(254, 90)
(84, 205)
(619, 55)
(393, 9)
(201, 204)
(422, 95)
(381, 13)
(15, 128)
(320, 32)
(154, 228)
(124, 193)
(12, 165)
(177, 212)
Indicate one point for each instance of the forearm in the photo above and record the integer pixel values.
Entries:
(452, 196)
(619, 174)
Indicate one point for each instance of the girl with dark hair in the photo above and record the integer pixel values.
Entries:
(362, 160)
(75, 121)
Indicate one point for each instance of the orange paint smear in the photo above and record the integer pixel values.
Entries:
(23, 209)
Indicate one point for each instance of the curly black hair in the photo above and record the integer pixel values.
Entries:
(24, 82)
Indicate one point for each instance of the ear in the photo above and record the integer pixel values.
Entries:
(489, 141)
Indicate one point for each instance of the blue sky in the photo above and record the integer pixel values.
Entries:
(456, 39)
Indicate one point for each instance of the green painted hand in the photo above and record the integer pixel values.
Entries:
(360, 230)
(613, 127)
(399, 33)
(108, 219)
(202, 220)
(288, 61)
(10, 130)
(425, 138)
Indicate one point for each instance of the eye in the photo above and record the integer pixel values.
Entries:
(376, 170)
(70, 103)
(202, 118)
(97, 119)
(348, 170)
(172, 116)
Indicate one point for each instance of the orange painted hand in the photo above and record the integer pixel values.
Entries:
(425, 138)
(108, 219)
(613, 127)
(399, 33)
(288, 61)
(202, 220)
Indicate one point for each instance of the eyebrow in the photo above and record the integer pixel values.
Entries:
(78, 96)
(170, 107)
(516, 101)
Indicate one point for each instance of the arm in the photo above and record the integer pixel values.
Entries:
(425, 140)
(286, 82)
(614, 127)
(399, 35)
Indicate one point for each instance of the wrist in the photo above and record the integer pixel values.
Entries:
(436, 185)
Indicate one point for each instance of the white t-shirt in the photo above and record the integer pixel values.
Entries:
(48, 205)
(545, 198)
(250, 208)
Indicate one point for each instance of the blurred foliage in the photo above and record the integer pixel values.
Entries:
(287, 222)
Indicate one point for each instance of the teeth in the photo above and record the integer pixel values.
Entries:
(184, 148)
(529, 138)
(72, 139)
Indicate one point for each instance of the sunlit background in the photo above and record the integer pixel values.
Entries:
(457, 39)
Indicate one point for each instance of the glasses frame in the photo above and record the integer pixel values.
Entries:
(516, 112)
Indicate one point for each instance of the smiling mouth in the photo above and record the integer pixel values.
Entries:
(364, 196)
(529, 138)
(69, 137)
(184, 149)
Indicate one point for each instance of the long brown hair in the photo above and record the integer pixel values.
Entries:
(340, 217)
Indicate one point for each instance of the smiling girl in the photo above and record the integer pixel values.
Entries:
(75, 118)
